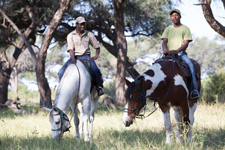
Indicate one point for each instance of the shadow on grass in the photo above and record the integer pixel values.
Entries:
(145, 139)
(111, 139)
(45, 143)
(214, 138)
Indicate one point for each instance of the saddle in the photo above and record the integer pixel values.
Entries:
(182, 65)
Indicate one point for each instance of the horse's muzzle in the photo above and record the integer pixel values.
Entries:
(127, 124)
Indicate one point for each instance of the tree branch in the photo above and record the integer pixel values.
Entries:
(20, 34)
(207, 11)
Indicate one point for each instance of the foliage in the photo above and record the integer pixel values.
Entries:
(214, 90)
(109, 89)
(43, 11)
(209, 53)
(24, 94)
(143, 17)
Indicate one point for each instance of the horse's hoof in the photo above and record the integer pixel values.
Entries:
(77, 138)
(87, 140)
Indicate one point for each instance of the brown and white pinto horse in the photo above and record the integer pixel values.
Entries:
(165, 82)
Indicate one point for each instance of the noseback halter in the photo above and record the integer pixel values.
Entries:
(63, 118)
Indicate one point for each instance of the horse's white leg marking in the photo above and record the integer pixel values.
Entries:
(178, 116)
(94, 104)
(168, 126)
(86, 105)
(80, 108)
(191, 118)
(178, 80)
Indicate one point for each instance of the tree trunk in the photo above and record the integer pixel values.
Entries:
(43, 86)
(207, 11)
(44, 89)
(14, 81)
(121, 45)
(4, 82)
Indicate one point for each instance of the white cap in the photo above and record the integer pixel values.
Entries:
(80, 20)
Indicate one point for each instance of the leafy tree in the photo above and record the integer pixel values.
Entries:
(32, 10)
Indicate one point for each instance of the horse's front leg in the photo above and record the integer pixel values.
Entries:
(76, 120)
(85, 118)
(192, 108)
(178, 114)
(168, 126)
(94, 104)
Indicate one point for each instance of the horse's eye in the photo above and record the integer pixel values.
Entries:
(57, 122)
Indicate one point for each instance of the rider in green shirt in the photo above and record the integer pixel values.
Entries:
(175, 41)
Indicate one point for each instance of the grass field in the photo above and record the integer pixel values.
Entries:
(32, 131)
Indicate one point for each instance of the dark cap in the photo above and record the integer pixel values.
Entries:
(175, 10)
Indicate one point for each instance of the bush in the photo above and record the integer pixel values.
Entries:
(213, 87)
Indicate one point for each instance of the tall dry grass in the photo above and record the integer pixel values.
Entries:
(33, 131)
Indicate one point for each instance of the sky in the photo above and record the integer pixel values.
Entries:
(192, 16)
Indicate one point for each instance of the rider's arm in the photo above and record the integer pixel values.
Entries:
(183, 47)
(72, 56)
(164, 46)
(96, 55)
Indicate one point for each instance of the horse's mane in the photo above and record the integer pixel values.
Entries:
(129, 90)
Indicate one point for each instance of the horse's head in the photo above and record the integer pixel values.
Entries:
(59, 122)
(135, 101)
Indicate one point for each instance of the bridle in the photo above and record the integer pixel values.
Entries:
(142, 100)
(63, 118)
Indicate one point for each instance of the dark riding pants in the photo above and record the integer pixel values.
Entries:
(94, 70)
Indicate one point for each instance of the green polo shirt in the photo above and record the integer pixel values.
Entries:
(176, 36)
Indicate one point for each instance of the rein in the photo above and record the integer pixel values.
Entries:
(79, 83)
(143, 99)
(63, 116)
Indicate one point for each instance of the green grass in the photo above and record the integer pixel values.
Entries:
(33, 131)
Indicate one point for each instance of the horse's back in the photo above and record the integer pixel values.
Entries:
(173, 66)
(75, 79)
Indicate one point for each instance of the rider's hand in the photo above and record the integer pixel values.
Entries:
(165, 52)
(93, 58)
(73, 61)
(172, 52)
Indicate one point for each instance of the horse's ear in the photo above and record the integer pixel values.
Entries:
(141, 81)
(127, 82)
(47, 109)
(55, 109)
